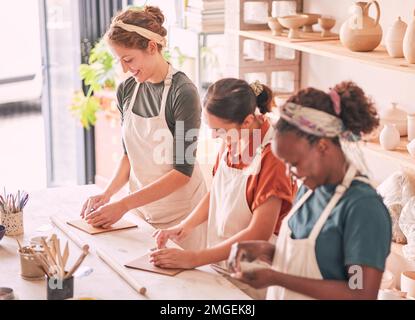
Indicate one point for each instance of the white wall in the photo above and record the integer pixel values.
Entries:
(384, 86)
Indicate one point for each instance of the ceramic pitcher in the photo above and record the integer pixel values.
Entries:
(361, 32)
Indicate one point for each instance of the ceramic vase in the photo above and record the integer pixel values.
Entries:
(389, 137)
(394, 38)
(409, 42)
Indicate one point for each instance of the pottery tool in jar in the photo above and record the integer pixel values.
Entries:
(53, 261)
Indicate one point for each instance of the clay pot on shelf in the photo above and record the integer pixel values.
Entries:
(326, 25)
(389, 137)
(312, 19)
(275, 26)
(397, 117)
(394, 38)
(294, 23)
(409, 42)
(360, 32)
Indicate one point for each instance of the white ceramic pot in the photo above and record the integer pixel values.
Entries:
(411, 148)
(411, 127)
(388, 280)
(408, 283)
(395, 116)
(13, 222)
(389, 137)
(394, 38)
(409, 42)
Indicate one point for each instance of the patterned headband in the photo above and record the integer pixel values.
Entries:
(312, 121)
(150, 35)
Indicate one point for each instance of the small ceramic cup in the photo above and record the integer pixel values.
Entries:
(30, 270)
(408, 283)
(7, 294)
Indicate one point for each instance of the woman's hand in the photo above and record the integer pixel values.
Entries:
(176, 233)
(107, 215)
(93, 203)
(250, 251)
(171, 258)
(258, 278)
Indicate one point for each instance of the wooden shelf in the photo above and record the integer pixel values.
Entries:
(334, 49)
(400, 155)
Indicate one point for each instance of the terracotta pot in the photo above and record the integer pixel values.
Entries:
(275, 26)
(409, 42)
(360, 32)
(394, 38)
(293, 23)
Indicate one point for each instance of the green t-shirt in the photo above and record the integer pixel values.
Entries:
(358, 231)
(183, 104)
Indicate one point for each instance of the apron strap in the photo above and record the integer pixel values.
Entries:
(298, 204)
(167, 85)
(338, 194)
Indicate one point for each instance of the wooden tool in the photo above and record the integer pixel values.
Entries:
(84, 226)
(48, 253)
(59, 258)
(85, 251)
(65, 255)
(144, 264)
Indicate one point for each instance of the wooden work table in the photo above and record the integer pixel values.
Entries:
(123, 246)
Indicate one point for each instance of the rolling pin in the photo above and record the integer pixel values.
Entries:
(64, 228)
(121, 272)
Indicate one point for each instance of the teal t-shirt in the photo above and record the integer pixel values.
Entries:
(358, 231)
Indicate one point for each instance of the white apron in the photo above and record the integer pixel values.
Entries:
(229, 212)
(297, 257)
(147, 141)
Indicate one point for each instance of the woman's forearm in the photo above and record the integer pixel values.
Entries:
(329, 289)
(120, 178)
(199, 215)
(156, 190)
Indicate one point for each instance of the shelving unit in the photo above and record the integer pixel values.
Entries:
(334, 49)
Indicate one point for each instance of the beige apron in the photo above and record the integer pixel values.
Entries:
(229, 212)
(297, 257)
(149, 145)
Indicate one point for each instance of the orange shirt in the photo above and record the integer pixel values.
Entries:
(271, 180)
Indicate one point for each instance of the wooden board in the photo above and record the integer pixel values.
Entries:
(307, 36)
(144, 264)
(84, 226)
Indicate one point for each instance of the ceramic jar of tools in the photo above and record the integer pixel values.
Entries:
(409, 42)
(13, 222)
(394, 38)
(361, 32)
(30, 269)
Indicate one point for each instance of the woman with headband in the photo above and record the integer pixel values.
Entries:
(250, 191)
(159, 107)
(335, 241)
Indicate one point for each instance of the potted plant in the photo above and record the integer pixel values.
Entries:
(99, 75)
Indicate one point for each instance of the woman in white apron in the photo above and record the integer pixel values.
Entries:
(162, 190)
(250, 192)
(335, 241)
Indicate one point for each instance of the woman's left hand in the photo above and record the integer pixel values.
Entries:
(171, 258)
(107, 215)
(258, 278)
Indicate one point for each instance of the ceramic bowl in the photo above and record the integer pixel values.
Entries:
(293, 22)
(275, 26)
(408, 283)
(312, 19)
(2, 231)
(326, 24)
